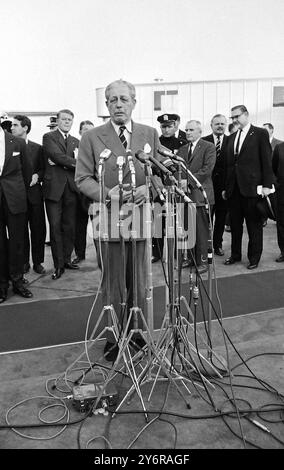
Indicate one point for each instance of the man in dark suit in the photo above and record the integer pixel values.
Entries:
(21, 127)
(115, 137)
(200, 158)
(270, 129)
(278, 168)
(82, 215)
(219, 139)
(248, 175)
(60, 191)
(15, 177)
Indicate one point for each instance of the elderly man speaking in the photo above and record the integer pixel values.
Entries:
(113, 140)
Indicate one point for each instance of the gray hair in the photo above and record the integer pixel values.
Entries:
(129, 85)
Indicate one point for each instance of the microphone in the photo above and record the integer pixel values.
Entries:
(173, 156)
(143, 158)
(132, 169)
(120, 161)
(104, 155)
(157, 189)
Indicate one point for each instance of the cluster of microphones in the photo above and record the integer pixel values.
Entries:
(168, 166)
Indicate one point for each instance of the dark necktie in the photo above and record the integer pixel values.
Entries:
(122, 136)
(218, 147)
(190, 150)
(238, 143)
(65, 139)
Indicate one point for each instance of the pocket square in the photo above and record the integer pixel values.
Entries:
(15, 154)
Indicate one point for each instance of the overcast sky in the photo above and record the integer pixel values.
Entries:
(55, 53)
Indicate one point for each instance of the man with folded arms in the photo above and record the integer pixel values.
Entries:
(60, 192)
(15, 177)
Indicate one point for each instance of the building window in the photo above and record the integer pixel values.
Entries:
(158, 98)
(278, 96)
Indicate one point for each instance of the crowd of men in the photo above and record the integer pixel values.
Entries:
(61, 178)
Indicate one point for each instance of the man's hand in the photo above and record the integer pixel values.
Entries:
(113, 193)
(224, 195)
(34, 179)
(140, 195)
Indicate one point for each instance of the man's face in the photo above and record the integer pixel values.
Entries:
(239, 118)
(193, 131)
(64, 122)
(120, 104)
(270, 131)
(218, 125)
(168, 130)
(17, 129)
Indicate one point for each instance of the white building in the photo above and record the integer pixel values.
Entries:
(263, 97)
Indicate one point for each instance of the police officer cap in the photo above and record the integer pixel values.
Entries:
(166, 118)
(53, 122)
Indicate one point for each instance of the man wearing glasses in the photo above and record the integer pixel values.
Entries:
(248, 175)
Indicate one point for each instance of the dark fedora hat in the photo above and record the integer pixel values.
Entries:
(266, 206)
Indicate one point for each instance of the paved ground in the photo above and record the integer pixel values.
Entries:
(86, 280)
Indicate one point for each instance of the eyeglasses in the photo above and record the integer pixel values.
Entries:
(236, 117)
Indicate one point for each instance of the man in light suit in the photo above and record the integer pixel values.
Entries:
(219, 139)
(15, 177)
(118, 135)
(200, 158)
(60, 191)
(248, 175)
(21, 127)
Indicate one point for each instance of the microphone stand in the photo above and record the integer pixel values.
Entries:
(210, 352)
(108, 309)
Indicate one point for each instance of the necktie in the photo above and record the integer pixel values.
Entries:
(122, 136)
(238, 143)
(65, 139)
(218, 147)
(190, 150)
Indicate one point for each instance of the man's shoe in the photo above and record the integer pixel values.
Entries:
(71, 266)
(155, 259)
(57, 273)
(227, 228)
(252, 265)
(22, 291)
(26, 268)
(110, 351)
(39, 269)
(231, 260)
(280, 259)
(77, 260)
(3, 294)
(219, 252)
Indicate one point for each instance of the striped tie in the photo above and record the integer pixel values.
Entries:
(218, 147)
(122, 136)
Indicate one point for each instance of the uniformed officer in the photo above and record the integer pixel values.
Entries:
(168, 125)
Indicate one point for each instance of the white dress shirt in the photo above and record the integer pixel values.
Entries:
(127, 132)
(242, 138)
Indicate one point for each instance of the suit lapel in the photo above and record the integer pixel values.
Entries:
(247, 138)
(8, 149)
(195, 151)
(60, 139)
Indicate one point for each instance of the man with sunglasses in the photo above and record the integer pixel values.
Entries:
(248, 176)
